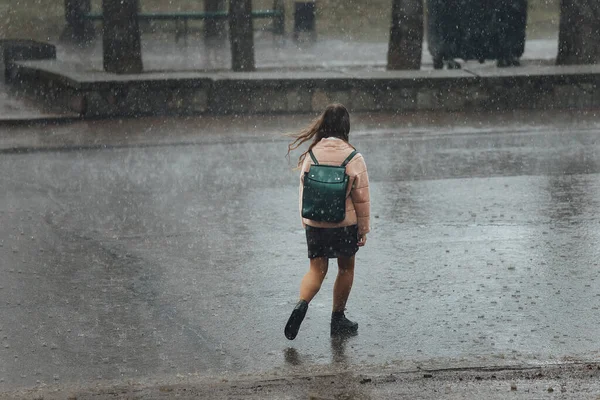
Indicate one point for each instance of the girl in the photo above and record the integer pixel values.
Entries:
(341, 240)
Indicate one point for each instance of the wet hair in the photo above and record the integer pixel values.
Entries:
(333, 122)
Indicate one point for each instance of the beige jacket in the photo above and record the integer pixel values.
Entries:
(333, 151)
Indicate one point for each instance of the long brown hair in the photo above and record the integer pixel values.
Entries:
(333, 122)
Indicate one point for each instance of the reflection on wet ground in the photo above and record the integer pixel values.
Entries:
(292, 357)
(338, 352)
(338, 348)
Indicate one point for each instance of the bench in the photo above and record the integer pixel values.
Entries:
(278, 17)
(13, 50)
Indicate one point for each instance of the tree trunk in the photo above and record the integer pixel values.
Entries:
(406, 35)
(214, 28)
(241, 35)
(78, 29)
(121, 42)
(579, 32)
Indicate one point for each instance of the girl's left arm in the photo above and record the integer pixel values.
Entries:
(301, 190)
(361, 196)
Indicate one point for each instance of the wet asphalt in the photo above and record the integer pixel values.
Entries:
(148, 249)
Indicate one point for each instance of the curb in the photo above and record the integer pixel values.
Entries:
(41, 120)
(468, 382)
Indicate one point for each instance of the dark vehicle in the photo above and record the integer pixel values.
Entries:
(476, 30)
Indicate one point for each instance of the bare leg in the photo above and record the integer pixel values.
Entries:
(343, 283)
(311, 283)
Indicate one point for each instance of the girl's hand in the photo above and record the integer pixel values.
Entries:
(362, 240)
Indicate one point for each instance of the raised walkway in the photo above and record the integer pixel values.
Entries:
(17, 108)
(194, 78)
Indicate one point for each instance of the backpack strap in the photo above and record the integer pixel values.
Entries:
(314, 158)
(349, 158)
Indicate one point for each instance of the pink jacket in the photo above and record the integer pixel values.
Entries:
(333, 151)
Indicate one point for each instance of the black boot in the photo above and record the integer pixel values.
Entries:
(293, 325)
(340, 325)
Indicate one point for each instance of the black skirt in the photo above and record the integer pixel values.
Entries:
(332, 242)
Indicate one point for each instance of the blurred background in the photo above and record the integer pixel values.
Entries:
(356, 20)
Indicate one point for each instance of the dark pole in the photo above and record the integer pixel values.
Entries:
(279, 22)
(121, 42)
(214, 28)
(579, 32)
(78, 29)
(241, 35)
(406, 35)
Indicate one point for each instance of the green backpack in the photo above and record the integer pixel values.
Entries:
(324, 193)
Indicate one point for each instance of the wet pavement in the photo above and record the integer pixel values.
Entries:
(152, 249)
(162, 52)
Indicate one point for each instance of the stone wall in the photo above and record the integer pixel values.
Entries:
(13, 50)
(98, 95)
